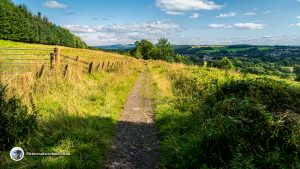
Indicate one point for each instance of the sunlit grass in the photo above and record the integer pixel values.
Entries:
(76, 113)
(180, 130)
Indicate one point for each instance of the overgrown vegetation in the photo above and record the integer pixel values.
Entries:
(16, 121)
(208, 120)
(17, 23)
(77, 113)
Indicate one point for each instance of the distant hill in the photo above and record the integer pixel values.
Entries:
(116, 47)
(17, 23)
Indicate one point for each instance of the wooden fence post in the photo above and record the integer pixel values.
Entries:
(112, 66)
(107, 66)
(51, 60)
(66, 70)
(57, 55)
(77, 58)
(98, 67)
(103, 65)
(41, 71)
(90, 67)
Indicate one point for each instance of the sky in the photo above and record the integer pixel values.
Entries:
(183, 22)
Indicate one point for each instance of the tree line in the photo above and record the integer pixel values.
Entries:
(163, 50)
(17, 23)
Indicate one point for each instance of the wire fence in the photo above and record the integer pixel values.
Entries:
(25, 60)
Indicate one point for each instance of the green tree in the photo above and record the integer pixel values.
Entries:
(145, 48)
(17, 23)
(164, 50)
(296, 69)
(226, 64)
(137, 53)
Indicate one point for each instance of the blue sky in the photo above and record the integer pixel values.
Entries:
(194, 22)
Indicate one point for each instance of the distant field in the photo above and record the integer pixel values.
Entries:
(204, 49)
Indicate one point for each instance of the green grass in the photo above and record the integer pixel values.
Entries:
(233, 50)
(200, 129)
(77, 114)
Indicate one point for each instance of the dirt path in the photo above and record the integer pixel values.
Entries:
(135, 144)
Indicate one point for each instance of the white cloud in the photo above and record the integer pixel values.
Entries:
(295, 25)
(226, 15)
(80, 29)
(194, 16)
(267, 12)
(298, 17)
(55, 5)
(249, 13)
(252, 26)
(174, 13)
(124, 33)
(182, 6)
(214, 26)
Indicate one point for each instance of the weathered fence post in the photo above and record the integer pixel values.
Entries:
(103, 65)
(57, 55)
(77, 58)
(98, 67)
(107, 66)
(41, 71)
(66, 70)
(90, 67)
(112, 66)
(51, 60)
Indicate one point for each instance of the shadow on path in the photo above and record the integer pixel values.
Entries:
(136, 144)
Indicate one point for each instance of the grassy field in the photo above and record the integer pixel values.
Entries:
(76, 113)
(198, 129)
(202, 49)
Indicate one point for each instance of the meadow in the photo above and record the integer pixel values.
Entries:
(76, 113)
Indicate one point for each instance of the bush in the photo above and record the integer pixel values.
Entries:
(237, 123)
(15, 120)
(297, 78)
(252, 123)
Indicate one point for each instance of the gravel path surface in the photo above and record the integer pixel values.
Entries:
(136, 144)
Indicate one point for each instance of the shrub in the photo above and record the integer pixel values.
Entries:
(256, 122)
(15, 120)
(238, 123)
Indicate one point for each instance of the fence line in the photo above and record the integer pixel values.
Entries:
(32, 49)
(53, 62)
(21, 59)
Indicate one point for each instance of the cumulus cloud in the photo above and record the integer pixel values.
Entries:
(267, 12)
(80, 29)
(298, 17)
(55, 5)
(252, 26)
(182, 6)
(295, 25)
(174, 13)
(194, 16)
(226, 15)
(249, 13)
(124, 33)
(214, 26)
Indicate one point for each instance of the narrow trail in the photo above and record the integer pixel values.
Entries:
(135, 144)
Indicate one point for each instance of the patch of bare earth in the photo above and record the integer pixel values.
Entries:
(136, 144)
